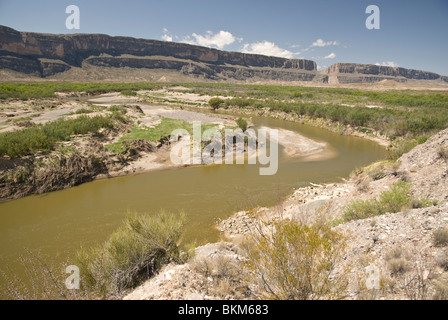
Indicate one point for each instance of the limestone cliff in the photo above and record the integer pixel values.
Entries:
(101, 57)
(358, 73)
(24, 52)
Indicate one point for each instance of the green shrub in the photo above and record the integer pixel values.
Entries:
(83, 111)
(132, 254)
(401, 147)
(242, 124)
(117, 109)
(393, 200)
(42, 138)
(215, 103)
(295, 261)
(129, 93)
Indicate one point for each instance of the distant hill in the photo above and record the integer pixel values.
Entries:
(89, 57)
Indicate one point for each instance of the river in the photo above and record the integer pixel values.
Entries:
(58, 223)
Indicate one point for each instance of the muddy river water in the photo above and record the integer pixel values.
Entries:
(57, 223)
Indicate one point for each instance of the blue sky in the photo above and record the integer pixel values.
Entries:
(412, 34)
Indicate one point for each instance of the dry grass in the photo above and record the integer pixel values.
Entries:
(443, 153)
(222, 275)
(397, 261)
(440, 237)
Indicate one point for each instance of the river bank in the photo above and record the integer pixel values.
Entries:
(403, 239)
(85, 157)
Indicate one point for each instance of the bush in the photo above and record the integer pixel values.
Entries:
(222, 274)
(42, 138)
(442, 259)
(215, 103)
(443, 153)
(242, 124)
(391, 201)
(397, 261)
(117, 109)
(129, 93)
(397, 266)
(440, 237)
(401, 147)
(132, 254)
(296, 261)
(83, 111)
(441, 291)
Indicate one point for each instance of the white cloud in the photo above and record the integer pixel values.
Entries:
(218, 40)
(166, 35)
(268, 49)
(330, 56)
(319, 67)
(322, 43)
(387, 64)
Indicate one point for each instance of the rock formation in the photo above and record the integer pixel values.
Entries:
(102, 57)
(45, 55)
(354, 73)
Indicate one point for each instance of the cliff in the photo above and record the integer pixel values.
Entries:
(45, 55)
(101, 57)
(358, 73)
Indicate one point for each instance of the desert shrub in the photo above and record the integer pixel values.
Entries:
(132, 254)
(440, 237)
(242, 124)
(443, 153)
(42, 279)
(216, 267)
(417, 203)
(401, 147)
(42, 138)
(392, 201)
(129, 93)
(441, 290)
(378, 170)
(295, 261)
(397, 262)
(422, 139)
(83, 111)
(117, 109)
(223, 274)
(442, 259)
(397, 198)
(362, 209)
(215, 103)
(241, 103)
(397, 266)
(363, 186)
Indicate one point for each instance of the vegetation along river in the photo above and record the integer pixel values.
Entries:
(58, 223)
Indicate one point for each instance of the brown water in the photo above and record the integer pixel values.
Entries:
(57, 223)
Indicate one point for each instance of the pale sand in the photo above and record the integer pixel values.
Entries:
(297, 145)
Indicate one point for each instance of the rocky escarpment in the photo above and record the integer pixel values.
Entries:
(361, 73)
(102, 57)
(45, 55)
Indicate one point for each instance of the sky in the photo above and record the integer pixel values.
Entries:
(412, 33)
